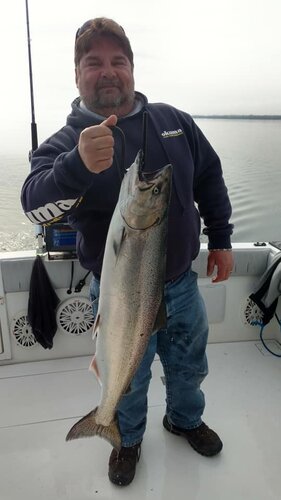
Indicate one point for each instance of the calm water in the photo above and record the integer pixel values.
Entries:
(250, 152)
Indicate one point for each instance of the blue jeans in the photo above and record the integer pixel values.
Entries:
(182, 351)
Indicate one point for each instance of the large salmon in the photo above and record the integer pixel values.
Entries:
(131, 303)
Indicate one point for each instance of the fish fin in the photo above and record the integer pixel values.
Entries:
(161, 318)
(96, 325)
(94, 368)
(87, 427)
(117, 243)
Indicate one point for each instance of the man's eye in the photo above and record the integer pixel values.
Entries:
(120, 62)
(93, 64)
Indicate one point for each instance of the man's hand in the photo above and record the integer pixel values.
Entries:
(223, 261)
(96, 144)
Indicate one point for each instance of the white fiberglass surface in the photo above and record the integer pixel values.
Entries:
(41, 401)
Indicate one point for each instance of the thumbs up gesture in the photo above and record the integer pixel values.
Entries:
(96, 145)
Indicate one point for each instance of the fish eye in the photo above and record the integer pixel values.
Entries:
(156, 190)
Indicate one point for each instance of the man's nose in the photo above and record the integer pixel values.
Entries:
(108, 71)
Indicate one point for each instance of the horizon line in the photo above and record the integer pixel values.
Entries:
(239, 116)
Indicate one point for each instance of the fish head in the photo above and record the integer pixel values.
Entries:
(145, 196)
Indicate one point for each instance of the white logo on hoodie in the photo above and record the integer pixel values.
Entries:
(51, 211)
(172, 133)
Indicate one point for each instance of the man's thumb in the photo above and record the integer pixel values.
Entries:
(110, 121)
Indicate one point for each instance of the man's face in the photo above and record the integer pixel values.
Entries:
(105, 79)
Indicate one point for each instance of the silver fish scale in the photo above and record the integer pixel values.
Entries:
(131, 288)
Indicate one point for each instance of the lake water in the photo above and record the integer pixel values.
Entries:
(250, 152)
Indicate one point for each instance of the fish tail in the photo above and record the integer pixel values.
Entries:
(88, 427)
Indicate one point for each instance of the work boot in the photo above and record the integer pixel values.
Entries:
(202, 439)
(122, 465)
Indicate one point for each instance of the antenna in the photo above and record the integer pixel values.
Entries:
(34, 137)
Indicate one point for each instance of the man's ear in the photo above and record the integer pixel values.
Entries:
(76, 77)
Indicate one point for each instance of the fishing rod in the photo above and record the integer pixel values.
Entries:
(34, 136)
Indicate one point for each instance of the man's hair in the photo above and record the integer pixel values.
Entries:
(95, 29)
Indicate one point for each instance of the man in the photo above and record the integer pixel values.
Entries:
(75, 173)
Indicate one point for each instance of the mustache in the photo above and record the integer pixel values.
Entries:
(108, 83)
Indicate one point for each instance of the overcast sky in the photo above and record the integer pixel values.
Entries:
(203, 56)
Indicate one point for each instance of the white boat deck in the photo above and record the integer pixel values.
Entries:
(40, 401)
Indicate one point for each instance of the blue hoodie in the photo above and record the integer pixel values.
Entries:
(60, 185)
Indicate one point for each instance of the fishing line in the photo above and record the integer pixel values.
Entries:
(78, 287)
(69, 291)
(81, 283)
(144, 139)
(262, 339)
(121, 168)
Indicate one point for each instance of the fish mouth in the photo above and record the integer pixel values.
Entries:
(155, 223)
(139, 211)
(148, 176)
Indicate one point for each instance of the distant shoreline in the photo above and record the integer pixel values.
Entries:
(240, 117)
